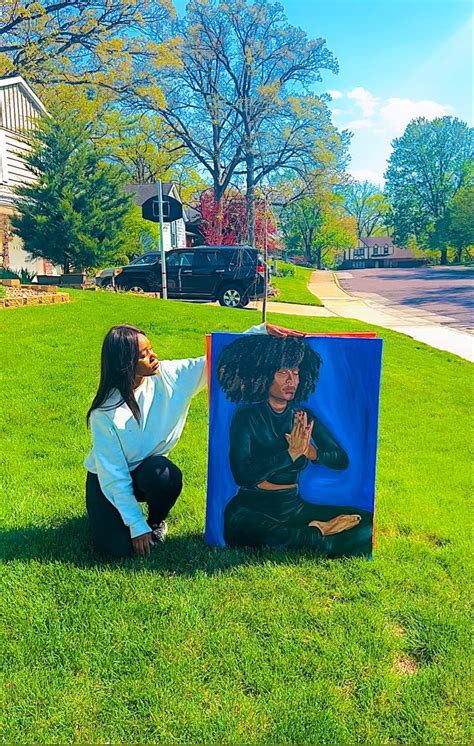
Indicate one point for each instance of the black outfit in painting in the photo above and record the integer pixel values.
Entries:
(279, 518)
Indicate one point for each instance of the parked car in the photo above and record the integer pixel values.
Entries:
(233, 275)
(104, 278)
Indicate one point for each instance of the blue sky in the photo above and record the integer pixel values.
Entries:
(398, 59)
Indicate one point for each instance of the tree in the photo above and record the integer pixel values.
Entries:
(82, 42)
(317, 225)
(428, 165)
(75, 212)
(461, 221)
(367, 204)
(230, 225)
(239, 102)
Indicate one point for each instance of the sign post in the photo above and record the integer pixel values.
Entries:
(164, 283)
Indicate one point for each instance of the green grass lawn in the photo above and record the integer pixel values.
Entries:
(202, 645)
(295, 289)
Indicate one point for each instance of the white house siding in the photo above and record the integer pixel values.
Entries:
(20, 108)
(181, 233)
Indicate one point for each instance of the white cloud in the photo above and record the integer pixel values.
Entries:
(335, 95)
(359, 124)
(366, 174)
(399, 111)
(365, 100)
(337, 112)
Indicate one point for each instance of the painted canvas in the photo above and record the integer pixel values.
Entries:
(293, 442)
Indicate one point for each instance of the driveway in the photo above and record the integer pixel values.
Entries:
(447, 292)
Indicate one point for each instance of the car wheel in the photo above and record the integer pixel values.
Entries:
(232, 296)
(137, 287)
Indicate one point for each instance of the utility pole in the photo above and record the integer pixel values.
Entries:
(164, 283)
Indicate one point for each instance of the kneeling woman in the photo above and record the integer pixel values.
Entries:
(136, 418)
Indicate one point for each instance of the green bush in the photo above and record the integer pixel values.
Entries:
(24, 275)
(286, 272)
(8, 274)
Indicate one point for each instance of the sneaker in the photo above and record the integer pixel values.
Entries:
(159, 531)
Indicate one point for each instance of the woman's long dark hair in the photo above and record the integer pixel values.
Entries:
(246, 367)
(118, 362)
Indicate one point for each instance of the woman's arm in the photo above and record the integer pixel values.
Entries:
(114, 474)
(326, 450)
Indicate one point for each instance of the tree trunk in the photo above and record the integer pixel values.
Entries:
(319, 258)
(250, 197)
(66, 265)
(218, 199)
(444, 255)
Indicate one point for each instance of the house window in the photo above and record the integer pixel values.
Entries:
(385, 249)
(359, 252)
(375, 251)
(174, 235)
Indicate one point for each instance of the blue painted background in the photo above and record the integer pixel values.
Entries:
(346, 400)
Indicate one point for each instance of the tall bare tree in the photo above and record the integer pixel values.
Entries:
(240, 101)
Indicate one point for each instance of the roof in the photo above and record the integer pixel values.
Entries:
(398, 252)
(18, 80)
(194, 216)
(146, 191)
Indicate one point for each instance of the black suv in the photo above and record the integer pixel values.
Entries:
(230, 274)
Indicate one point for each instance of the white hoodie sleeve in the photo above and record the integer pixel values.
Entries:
(113, 473)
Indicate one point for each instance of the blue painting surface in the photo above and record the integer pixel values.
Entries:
(346, 401)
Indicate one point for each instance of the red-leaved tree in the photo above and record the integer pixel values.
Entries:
(225, 223)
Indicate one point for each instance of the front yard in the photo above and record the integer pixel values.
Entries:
(200, 645)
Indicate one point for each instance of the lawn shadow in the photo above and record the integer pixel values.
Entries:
(184, 554)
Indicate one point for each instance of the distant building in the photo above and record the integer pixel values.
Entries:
(373, 253)
(20, 109)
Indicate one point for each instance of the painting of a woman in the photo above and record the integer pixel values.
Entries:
(273, 438)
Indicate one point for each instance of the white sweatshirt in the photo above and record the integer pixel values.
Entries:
(120, 443)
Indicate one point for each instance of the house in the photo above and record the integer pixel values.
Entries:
(174, 213)
(379, 252)
(20, 109)
(194, 233)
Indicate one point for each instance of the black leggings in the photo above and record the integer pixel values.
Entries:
(157, 481)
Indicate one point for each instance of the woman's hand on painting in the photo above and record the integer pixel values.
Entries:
(281, 331)
(336, 525)
(299, 440)
(143, 544)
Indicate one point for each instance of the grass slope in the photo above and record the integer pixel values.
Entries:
(295, 289)
(199, 645)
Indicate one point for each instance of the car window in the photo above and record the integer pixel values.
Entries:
(146, 259)
(243, 257)
(180, 259)
(211, 259)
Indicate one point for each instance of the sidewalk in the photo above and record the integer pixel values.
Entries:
(420, 325)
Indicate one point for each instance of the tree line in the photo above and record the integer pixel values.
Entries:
(221, 100)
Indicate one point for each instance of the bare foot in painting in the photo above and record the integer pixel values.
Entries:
(336, 525)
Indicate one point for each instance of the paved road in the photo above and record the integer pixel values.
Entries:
(445, 291)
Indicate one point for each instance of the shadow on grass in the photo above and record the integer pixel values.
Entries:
(188, 554)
